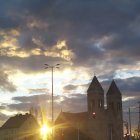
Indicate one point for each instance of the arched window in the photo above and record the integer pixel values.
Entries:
(100, 103)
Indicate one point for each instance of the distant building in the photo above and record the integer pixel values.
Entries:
(20, 127)
(97, 123)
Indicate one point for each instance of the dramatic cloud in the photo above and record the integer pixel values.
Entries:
(127, 86)
(90, 35)
(87, 37)
(5, 83)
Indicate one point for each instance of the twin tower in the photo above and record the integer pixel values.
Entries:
(100, 122)
(104, 123)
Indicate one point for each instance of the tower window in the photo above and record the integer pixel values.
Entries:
(100, 103)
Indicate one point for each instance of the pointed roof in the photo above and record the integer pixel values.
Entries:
(113, 89)
(66, 117)
(74, 120)
(17, 121)
(95, 85)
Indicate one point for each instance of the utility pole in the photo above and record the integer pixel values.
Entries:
(129, 113)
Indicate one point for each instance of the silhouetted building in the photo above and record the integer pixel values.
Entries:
(97, 123)
(20, 127)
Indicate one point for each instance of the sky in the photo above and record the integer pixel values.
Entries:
(87, 37)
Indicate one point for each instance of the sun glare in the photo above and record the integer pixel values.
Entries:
(45, 130)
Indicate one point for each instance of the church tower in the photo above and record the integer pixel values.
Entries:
(114, 108)
(98, 123)
(95, 97)
(96, 111)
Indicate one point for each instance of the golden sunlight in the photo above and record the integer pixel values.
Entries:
(61, 44)
(45, 131)
(36, 51)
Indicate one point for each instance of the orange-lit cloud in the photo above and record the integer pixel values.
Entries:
(12, 49)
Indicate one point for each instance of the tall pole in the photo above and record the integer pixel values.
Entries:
(52, 70)
(52, 105)
(129, 112)
(52, 96)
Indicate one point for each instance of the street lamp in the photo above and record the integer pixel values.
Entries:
(52, 70)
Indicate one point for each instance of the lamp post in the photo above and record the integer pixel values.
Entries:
(129, 113)
(52, 70)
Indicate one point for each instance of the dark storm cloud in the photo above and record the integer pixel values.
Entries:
(82, 23)
(128, 85)
(8, 23)
(125, 44)
(85, 20)
(30, 64)
(10, 17)
(5, 83)
(123, 61)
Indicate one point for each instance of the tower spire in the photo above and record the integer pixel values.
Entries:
(113, 89)
(95, 85)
